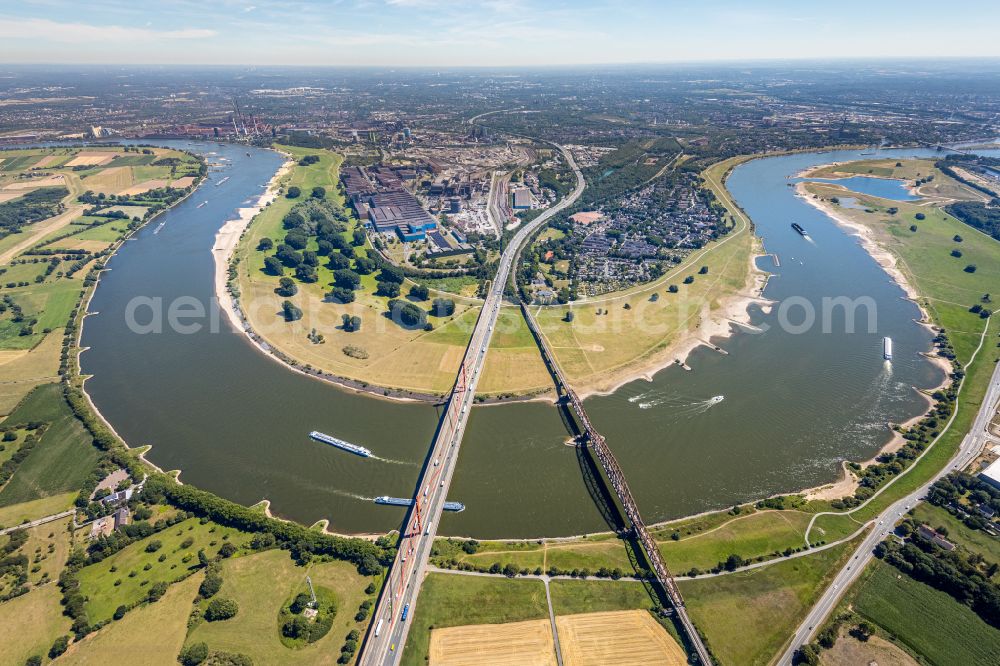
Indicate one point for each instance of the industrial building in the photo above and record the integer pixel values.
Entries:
(377, 194)
(991, 474)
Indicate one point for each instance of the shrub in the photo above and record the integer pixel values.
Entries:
(154, 546)
(212, 582)
(419, 292)
(193, 654)
(221, 609)
(58, 647)
(443, 307)
(293, 192)
(120, 612)
(227, 550)
(157, 591)
(297, 627)
(319, 192)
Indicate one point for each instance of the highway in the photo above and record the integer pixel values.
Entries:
(972, 444)
(387, 634)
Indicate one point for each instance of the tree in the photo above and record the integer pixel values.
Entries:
(286, 287)
(510, 570)
(119, 612)
(443, 307)
(407, 313)
(227, 550)
(305, 273)
(193, 654)
(345, 278)
(703, 270)
(265, 244)
(863, 631)
(920, 216)
(296, 239)
(221, 609)
(154, 546)
(957, 238)
(358, 237)
(364, 265)
(338, 261)
(913, 228)
(300, 603)
(956, 253)
(290, 311)
(419, 292)
(351, 324)
(288, 256)
(806, 655)
(58, 647)
(156, 591)
(293, 192)
(319, 192)
(391, 274)
(673, 289)
(297, 627)
(569, 316)
(212, 582)
(33, 660)
(273, 266)
(387, 289)
(733, 562)
(971, 268)
(689, 279)
(341, 295)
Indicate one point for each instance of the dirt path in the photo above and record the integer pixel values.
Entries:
(39, 230)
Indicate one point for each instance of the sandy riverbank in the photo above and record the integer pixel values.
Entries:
(228, 237)
(722, 322)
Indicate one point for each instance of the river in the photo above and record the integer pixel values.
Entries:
(236, 422)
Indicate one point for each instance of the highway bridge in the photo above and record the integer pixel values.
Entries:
(387, 632)
(597, 444)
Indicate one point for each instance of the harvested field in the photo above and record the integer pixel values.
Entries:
(7, 196)
(109, 180)
(620, 637)
(48, 160)
(522, 643)
(180, 183)
(144, 186)
(88, 158)
(32, 183)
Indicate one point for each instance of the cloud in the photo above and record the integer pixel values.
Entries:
(76, 33)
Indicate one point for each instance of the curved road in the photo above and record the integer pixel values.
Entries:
(971, 445)
(387, 633)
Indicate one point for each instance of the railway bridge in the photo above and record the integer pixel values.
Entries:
(616, 477)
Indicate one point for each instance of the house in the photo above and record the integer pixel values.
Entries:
(102, 527)
(121, 517)
(934, 537)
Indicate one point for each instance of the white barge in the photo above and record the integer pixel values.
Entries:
(402, 501)
(341, 444)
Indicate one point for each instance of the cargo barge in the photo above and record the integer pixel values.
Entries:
(800, 230)
(341, 444)
(887, 348)
(402, 501)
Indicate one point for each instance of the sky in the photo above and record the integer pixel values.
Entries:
(442, 33)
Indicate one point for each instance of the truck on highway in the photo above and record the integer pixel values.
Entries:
(378, 627)
(406, 611)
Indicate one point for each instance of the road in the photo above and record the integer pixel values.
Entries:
(385, 640)
(40, 521)
(972, 444)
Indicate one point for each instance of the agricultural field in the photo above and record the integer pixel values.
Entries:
(448, 600)
(124, 578)
(572, 597)
(624, 637)
(265, 582)
(63, 457)
(529, 643)
(152, 634)
(15, 514)
(927, 621)
(747, 617)
(31, 622)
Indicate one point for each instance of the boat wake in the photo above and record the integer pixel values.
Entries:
(344, 493)
(392, 461)
(676, 405)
